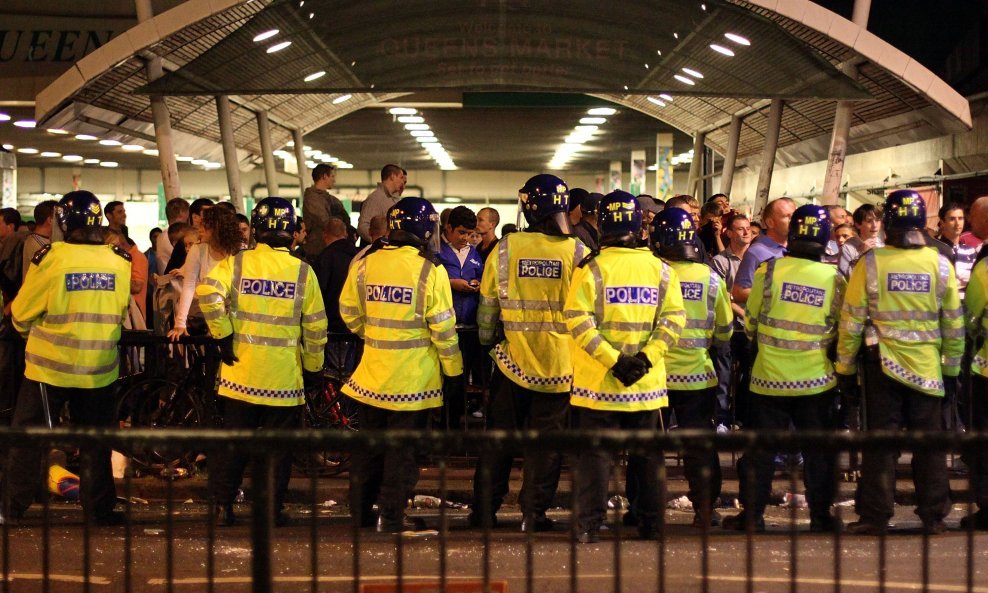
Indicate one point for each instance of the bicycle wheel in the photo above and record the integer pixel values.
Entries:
(157, 403)
(327, 409)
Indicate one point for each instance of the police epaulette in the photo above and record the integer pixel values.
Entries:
(40, 254)
(588, 258)
(120, 252)
(431, 257)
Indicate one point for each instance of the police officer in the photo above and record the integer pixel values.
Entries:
(691, 378)
(624, 310)
(398, 299)
(904, 297)
(976, 314)
(792, 314)
(523, 291)
(71, 308)
(265, 308)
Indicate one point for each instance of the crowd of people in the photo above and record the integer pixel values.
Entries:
(609, 312)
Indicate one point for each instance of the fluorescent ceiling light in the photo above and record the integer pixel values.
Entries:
(85, 137)
(58, 131)
(91, 161)
(4, 117)
(657, 101)
(737, 38)
(50, 155)
(291, 143)
(588, 130)
(342, 99)
(131, 147)
(199, 161)
(25, 123)
(8, 147)
(72, 158)
(665, 97)
(416, 126)
(27, 150)
(110, 142)
(184, 159)
(109, 164)
(314, 76)
(602, 111)
(151, 152)
(402, 111)
(279, 46)
(692, 73)
(212, 165)
(265, 35)
(592, 120)
(422, 133)
(683, 79)
(426, 139)
(411, 119)
(344, 165)
(722, 50)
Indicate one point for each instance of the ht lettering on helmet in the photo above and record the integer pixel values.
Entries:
(685, 235)
(381, 293)
(809, 227)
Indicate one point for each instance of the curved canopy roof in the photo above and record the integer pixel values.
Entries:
(714, 59)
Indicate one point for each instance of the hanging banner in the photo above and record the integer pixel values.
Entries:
(663, 166)
(615, 182)
(637, 185)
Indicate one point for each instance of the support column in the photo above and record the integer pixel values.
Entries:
(695, 166)
(842, 122)
(768, 156)
(267, 154)
(230, 161)
(160, 117)
(731, 158)
(302, 169)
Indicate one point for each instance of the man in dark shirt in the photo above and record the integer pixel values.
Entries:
(331, 267)
(318, 206)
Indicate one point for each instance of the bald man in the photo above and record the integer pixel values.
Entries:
(978, 218)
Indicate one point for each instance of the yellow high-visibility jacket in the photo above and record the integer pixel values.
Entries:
(401, 304)
(709, 319)
(71, 308)
(910, 297)
(792, 313)
(976, 306)
(270, 301)
(623, 301)
(524, 288)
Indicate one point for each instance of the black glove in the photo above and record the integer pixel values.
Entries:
(848, 385)
(629, 369)
(226, 351)
(648, 363)
(950, 389)
(311, 380)
(454, 387)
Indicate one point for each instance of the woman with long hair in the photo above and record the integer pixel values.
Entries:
(219, 238)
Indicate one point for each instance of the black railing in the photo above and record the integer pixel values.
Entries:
(172, 543)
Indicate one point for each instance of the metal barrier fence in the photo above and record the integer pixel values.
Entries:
(173, 545)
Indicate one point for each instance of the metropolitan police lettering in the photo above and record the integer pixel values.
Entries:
(540, 268)
(267, 288)
(900, 282)
(631, 295)
(401, 295)
(804, 295)
(90, 281)
(692, 291)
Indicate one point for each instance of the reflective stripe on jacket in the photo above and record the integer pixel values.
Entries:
(71, 307)
(401, 304)
(623, 301)
(792, 313)
(270, 301)
(910, 297)
(524, 289)
(709, 319)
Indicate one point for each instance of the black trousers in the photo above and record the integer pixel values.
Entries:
(595, 464)
(892, 407)
(226, 467)
(26, 467)
(978, 460)
(11, 372)
(385, 476)
(696, 410)
(742, 352)
(755, 471)
(723, 356)
(514, 408)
